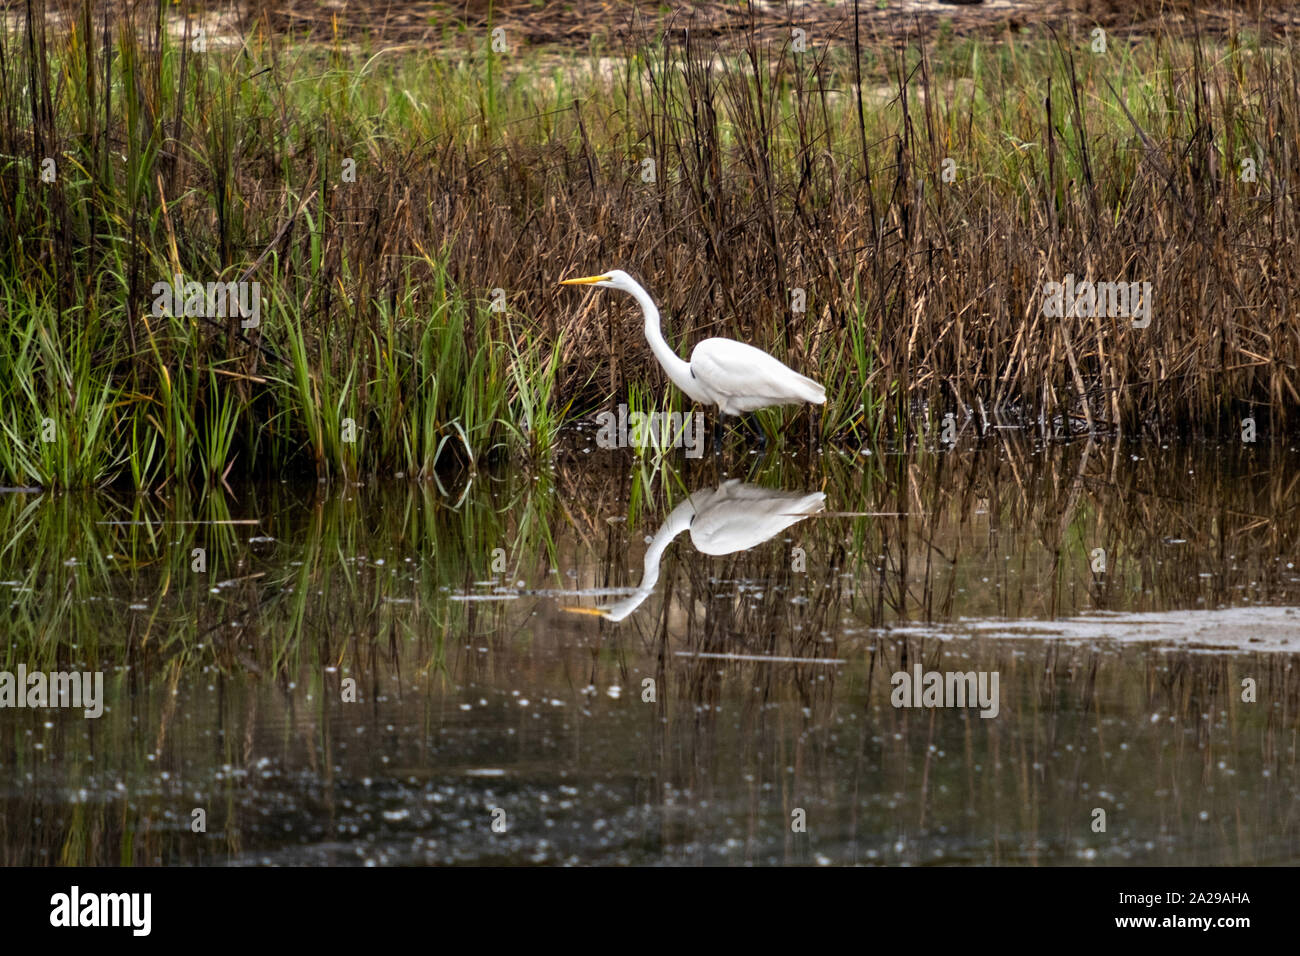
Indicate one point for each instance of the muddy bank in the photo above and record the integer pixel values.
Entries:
(578, 25)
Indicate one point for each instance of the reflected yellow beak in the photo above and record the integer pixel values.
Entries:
(586, 280)
(594, 611)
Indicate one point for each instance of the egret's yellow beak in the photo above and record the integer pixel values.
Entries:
(594, 611)
(586, 280)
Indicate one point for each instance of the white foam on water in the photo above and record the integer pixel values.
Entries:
(1274, 629)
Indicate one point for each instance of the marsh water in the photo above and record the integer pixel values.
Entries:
(609, 659)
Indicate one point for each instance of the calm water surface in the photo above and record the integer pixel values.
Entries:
(601, 661)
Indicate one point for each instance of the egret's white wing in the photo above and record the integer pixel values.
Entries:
(737, 516)
(742, 378)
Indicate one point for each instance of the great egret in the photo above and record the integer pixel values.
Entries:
(736, 377)
(732, 517)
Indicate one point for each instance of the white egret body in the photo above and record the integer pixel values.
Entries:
(736, 377)
(732, 517)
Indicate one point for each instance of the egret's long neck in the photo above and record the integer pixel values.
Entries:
(678, 370)
(677, 522)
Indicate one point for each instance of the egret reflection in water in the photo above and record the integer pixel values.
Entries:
(733, 517)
